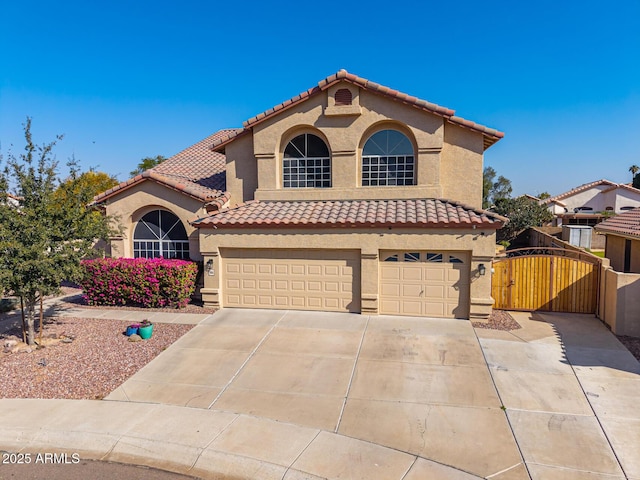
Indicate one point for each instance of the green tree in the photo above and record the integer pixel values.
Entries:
(522, 212)
(43, 239)
(634, 169)
(494, 189)
(544, 195)
(146, 163)
(88, 183)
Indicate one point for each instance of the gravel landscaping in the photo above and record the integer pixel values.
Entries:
(80, 358)
(498, 320)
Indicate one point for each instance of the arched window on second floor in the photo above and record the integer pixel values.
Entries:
(388, 159)
(306, 163)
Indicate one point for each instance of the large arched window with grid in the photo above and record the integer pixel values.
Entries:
(388, 159)
(306, 163)
(160, 234)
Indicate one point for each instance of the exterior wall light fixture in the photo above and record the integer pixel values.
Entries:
(482, 269)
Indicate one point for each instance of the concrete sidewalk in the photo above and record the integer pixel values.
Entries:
(252, 394)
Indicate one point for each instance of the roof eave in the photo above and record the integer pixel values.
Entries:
(139, 179)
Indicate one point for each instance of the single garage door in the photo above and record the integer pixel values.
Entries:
(433, 284)
(291, 279)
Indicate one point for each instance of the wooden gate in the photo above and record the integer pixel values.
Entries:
(547, 279)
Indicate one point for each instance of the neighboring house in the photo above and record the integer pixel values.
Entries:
(591, 203)
(333, 200)
(620, 288)
(623, 241)
(13, 200)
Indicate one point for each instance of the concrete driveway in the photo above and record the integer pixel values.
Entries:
(556, 399)
(416, 385)
(275, 395)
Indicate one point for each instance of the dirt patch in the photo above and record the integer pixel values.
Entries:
(632, 344)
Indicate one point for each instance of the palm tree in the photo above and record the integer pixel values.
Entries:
(634, 169)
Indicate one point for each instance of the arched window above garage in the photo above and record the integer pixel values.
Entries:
(388, 159)
(306, 163)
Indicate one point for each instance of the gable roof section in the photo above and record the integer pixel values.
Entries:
(587, 186)
(490, 135)
(196, 171)
(423, 212)
(625, 224)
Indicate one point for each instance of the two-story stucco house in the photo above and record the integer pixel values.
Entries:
(348, 197)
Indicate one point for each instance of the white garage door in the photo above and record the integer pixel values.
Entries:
(291, 279)
(434, 284)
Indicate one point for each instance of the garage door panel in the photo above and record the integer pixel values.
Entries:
(423, 287)
(390, 290)
(248, 269)
(414, 291)
(297, 270)
(435, 309)
(233, 268)
(312, 280)
(265, 269)
(332, 270)
(435, 273)
(411, 308)
(411, 273)
(280, 269)
(436, 292)
(314, 269)
(281, 285)
(390, 272)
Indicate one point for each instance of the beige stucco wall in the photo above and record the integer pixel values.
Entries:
(480, 244)
(622, 302)
(614, 251)
(132, 204)
(461, 171)
(448, 158)
(242, 170)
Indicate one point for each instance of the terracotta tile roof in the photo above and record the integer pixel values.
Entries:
(580, 189)
(197, 171)
(624, 186)
(625, 224)
(491, 135)
(424, 212)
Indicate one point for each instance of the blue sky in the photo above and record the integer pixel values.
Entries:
(125, 80)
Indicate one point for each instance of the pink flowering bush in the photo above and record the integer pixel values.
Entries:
(145, 282)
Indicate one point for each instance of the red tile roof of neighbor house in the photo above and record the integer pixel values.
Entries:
(196, 171)
(587, 186)
(423, 212)
(491, 135)
(625, 224)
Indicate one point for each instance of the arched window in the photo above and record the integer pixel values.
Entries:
(387, 159)
(160, 234)
(306, 163)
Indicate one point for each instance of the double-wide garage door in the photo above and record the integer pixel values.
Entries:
(430, 284)
(292, 279)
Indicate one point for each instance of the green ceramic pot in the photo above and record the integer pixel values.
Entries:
(146, 332)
